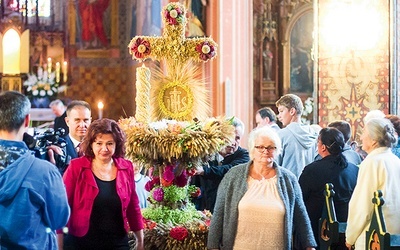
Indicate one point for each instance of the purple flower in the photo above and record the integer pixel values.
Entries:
(181, 180)
(158, 194)
(168, 174)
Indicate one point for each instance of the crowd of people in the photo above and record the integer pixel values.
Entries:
(268, 196)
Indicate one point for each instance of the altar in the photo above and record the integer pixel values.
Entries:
(42, 117)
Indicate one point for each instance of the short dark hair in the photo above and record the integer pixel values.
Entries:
(343, 127)
(267, 112)
(104, 126)
(14, 107)
(77, 103)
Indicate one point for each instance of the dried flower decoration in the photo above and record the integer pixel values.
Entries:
(174, 15)
(206, 50)
(178, 233)
(141, 48)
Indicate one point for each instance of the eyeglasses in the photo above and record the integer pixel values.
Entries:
(262, 149)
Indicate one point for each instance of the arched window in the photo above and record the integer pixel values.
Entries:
(43, 7)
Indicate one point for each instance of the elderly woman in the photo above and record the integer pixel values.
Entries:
(380, 170)
(101, 192)
(259, 204)
(333, 168)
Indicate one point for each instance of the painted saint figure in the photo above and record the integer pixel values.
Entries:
(93, 32)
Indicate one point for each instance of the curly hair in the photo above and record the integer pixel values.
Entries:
(104, 126)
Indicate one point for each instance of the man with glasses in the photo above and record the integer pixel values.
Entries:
(210, 175)
(78, 120)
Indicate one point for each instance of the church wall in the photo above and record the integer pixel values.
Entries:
(105, 74)
(353, 73)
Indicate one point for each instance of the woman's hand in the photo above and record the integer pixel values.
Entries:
(349, 246)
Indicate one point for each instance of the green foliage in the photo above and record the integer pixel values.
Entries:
(164, 214)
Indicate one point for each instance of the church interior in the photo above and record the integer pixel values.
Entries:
(339, 56)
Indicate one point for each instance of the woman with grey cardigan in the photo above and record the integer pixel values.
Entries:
(259, 204)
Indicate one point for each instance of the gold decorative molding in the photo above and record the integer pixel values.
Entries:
(11, 83)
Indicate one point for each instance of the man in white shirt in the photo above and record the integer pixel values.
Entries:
(78, 120)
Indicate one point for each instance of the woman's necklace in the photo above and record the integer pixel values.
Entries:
(105, 172)
(263, 176)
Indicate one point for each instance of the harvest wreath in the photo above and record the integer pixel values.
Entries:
(171, 134)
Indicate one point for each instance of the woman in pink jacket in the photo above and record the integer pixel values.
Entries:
(101, 192)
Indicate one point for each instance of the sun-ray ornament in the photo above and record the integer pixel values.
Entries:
(174, 86)
(175, 134)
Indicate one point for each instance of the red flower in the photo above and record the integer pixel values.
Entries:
(149, 224)
(178, 233)
(206, 51)
(196, 193)
(166, 183)
(152, 183)
(191, 171)
(181, 180)
(141, 48)
(173, 15)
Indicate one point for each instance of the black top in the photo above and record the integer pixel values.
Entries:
(106, 228)
(313, 180)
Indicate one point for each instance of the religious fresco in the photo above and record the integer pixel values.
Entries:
(301, 64)
(94, 28)
(354, 80)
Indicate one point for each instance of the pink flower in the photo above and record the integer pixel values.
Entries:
(206, 51)
(178, 233)
(168, 174)
(173, 15)
(158, 194)
(141, 48)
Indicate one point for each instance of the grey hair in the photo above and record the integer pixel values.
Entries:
(381, 130)
(14, 107)
(56, 102)
(238, 124)
(263, 132)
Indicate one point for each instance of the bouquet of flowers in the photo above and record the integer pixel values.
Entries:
(44, 84)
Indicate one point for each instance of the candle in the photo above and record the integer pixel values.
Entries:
(142, 94)
(40, 72)
(49, 66)
(100, 106)
(64, 71)
(57, 72)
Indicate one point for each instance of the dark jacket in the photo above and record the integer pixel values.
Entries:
(213, 174)
(313, 180)
(59, 122)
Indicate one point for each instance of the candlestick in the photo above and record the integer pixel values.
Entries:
(64, 71)
(100, 106)
(57, 72)
(142, 94)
